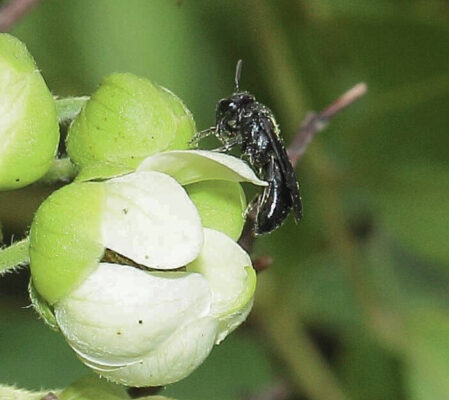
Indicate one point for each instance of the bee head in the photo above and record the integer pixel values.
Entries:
(231, 110)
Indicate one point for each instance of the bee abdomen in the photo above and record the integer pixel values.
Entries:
(274, 203)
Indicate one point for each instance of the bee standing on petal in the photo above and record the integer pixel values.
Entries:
(242, 121)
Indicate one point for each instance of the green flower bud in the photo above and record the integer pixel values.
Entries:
(127, 119)
(150, 313)
(29, 131)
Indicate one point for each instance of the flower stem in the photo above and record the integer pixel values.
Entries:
(14, 256)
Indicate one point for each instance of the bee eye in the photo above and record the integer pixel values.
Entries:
(232, 123)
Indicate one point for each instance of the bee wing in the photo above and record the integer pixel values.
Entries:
(287, 170)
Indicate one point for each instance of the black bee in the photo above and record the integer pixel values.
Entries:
(241, 120)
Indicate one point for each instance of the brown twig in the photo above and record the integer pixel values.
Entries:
(14, 11)
(312, 124)
(262, 263)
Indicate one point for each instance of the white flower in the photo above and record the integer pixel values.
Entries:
(178, 289)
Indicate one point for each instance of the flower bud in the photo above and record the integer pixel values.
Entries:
(29, 131)
(127, 119)
(139, 286)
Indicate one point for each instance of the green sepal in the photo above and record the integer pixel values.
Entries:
(44, 310)
(102, 171)
(221, 205)
(65, 239)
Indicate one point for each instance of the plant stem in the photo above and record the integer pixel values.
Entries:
(314, 123)
(14, 11)
(14, 256)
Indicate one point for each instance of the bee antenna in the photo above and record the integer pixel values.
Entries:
(238, 72)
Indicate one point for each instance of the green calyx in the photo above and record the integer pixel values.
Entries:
(221, 205)
(127, 119)
(65, 236)
(29, 132)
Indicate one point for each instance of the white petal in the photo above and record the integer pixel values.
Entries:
(121, 313)
(227, 268)
(230, 322)
(189, 166)
(150, 219)
(183, 352)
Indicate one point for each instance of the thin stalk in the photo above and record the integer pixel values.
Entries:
(14, 256)
(13, 11)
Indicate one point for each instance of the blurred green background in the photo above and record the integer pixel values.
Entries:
(356, 302)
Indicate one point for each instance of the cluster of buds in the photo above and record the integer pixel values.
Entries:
(136, 262)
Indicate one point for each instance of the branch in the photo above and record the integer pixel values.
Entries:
(14, 11)
(314, 123)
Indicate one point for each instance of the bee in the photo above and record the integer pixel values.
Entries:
(242, 121)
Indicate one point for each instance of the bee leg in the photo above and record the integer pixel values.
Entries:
(201, 135)
(228, 146)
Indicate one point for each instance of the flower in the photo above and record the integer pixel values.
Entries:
(29, 132)
(142, 279)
